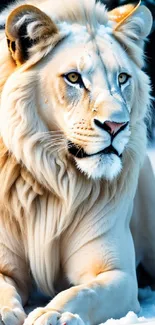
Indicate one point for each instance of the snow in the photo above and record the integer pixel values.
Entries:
(130, 318)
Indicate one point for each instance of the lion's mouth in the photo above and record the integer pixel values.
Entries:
(78, 152)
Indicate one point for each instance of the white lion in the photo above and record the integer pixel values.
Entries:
(73, 140)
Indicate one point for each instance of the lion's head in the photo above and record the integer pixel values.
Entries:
(78, 90)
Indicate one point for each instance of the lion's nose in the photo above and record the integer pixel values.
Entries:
(111, 127)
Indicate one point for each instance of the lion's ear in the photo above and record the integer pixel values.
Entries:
(135, 21)
(27, 26)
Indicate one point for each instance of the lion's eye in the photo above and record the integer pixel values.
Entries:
(74, 78)
(123, 78)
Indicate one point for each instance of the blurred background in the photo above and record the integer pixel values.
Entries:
(150, 49)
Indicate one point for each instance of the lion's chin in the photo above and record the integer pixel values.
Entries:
(100, 166)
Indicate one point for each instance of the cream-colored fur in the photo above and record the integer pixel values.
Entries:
(63, 217)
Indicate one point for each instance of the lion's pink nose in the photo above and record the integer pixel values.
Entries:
(113, 127)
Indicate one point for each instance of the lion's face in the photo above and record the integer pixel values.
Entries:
(89, 91)
(89, 82)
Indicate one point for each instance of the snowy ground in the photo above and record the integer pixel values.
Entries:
(146, 296)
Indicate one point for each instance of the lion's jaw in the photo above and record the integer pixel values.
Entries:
(105, 159)
(101, 166)
(101, 157)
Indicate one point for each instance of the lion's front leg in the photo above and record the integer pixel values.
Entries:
(103, 271)
(110, 294)
(11, 310)
(14, 287)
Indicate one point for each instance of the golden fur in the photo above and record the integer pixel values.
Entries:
(48, 198)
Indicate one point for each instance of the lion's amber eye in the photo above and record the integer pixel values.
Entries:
(123, 78)
(73, 77)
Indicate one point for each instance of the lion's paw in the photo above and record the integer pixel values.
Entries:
(70, 319)
(44, 316)
(10, 316)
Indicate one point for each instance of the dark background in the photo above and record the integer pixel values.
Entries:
(150, 47)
